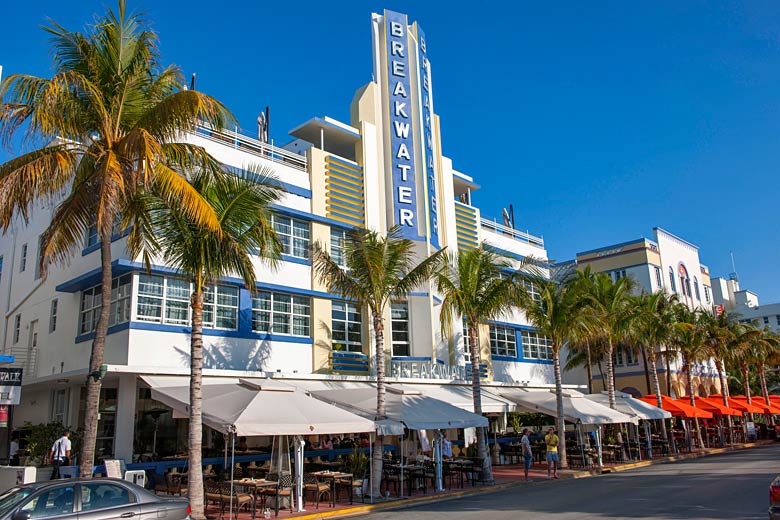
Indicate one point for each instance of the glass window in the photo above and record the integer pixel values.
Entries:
(672, 283)
(345, 327)
(658, 278)
(281, 314)
(91, 303)
(99, 495)
(503, 341)
(52, 502)
(92, 236)
(535, 346)
(466, 342)
(706, 294)
(59, 407)
(53, 316)
(17, 327)
(533, 290)
(766, 320)
(294, 235)
(777, 318)
(23, 259)
(338, 239)
(150, 298)
(220, 307)
(617, 357)
(631, 358)
(13, 497)
(399, 312)
(167, 300)
(177, 301)
(696, 288)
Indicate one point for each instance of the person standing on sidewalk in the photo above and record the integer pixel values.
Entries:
(551, 441)
(60, 454)
(528, 454)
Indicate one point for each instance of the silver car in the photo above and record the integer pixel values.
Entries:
(88, 499)
(774, 499)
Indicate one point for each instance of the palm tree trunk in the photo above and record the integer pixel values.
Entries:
(603, 377)
(91, 408)
(657, 392)
(195, 477)
(476, 392)
(668, 375)
(724, 392)
(647, 369)
(746, 382)
(379, 444)
(610, 376)
(590, 368)
(561, 425)
(689, 384)
(764, 391)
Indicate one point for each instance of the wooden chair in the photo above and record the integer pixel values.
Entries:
(236, 498)
(283, 489)
(317, 488)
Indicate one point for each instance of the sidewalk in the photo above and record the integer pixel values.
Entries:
(506, 476)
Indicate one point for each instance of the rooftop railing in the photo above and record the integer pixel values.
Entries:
(254, 147)
(512, 233)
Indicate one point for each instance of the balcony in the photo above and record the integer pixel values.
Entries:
(512, 233)
(253, 147)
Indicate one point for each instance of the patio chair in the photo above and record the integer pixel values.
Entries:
(356, 483)
(283, 489)
(236, 498)
(391, 475)
(317, 488)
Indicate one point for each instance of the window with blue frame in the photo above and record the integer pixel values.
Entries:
(503, 341)
(294, 234)
(91, 303)
(536, 346)
(338, 239)
(281, 313)
(399, 312)
(346, 327)
(672, 283)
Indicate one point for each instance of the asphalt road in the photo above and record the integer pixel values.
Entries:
(729, 486)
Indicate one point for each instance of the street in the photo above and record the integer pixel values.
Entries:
(730, 486)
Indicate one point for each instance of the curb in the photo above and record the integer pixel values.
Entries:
(401, 504)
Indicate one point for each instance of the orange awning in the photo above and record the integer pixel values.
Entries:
(676, 408)
(740, 404)
(759, 402)
(712, 406)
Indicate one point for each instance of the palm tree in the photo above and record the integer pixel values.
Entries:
(378, 269)
(652, 326)
(475, 287)
(557, 314)
(690, 342)
(110, 118)
(610, 303)
(203, 256)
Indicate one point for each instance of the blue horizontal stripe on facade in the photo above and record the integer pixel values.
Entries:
(296, 260)
(181, 329)
(305, 215)
(410, 358)
(658, 370)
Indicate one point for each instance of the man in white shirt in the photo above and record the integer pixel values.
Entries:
(60, 454)
(13, 450)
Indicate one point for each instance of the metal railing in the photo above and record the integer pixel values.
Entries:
(254, 147)
(513, 233)
(26, 359)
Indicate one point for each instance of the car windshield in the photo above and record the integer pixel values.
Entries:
(11, 498)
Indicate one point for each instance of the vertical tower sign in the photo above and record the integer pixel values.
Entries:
(401, 125)
(426, 103)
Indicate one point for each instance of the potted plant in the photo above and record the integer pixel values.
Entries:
(357, 462)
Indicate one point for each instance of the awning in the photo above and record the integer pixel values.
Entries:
(710, 405)
(412, 408)
(462, 397)
(576, 408)
(627, 404)
(677, 408)
(739, 402)
(251, 407)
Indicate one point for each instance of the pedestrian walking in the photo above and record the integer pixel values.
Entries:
(528, 454)
(551, 441)
(60, 454)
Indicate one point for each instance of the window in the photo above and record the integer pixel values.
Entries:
(778, 320)
(766, 320)
(338, 238)
(23, 259)
(59, 406)
(17, 327)
(167, 300)
(536, 346)
(53, 316)
(92, 236)
(687, 290)
(620, 274)
(631, 359)
(294, 235)
(345, 327)
(99, 495)
(51, 502)
(696, 288)
(617, 357)
(399, 312)
(39, 259)
(658, 279)
(672, 284)
(281, 314)
(91, 303)
(533, 290)
(466, 342)
(707, 294)
(503, 341)
(622, 357)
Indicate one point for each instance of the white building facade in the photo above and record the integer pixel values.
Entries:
(384, 168)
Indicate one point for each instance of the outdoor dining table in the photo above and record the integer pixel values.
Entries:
(333, 477)
(461, 468)
(255, 485)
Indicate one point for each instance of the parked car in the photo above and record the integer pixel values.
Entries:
(88, 499)
(774, 499)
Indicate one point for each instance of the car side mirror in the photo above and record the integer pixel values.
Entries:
(22, 515)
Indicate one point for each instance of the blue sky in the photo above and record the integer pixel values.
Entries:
(606, 119)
